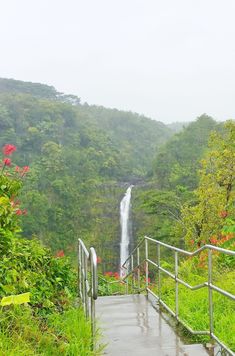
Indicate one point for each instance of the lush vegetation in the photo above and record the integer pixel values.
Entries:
(158, 204)
(79, 157)
(23, 333)
(48, 324)
(190, 216)
(72, 165)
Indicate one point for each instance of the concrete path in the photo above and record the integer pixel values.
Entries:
(131, 326)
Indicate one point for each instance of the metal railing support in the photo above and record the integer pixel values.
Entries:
(88, 283)
(159, 271)
(138, 268)
(133, 274)
(175, 276)
(146, 264)
(176, 287)
(210, 293)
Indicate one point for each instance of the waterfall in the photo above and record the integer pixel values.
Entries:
(125, 227)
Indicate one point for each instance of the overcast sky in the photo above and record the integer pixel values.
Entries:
(171, 60)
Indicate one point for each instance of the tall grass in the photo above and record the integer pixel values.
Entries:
(23, 334)
(194, 305)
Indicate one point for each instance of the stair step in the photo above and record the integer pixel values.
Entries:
(131, 326)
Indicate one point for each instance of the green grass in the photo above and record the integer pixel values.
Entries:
(110, 286)
(193, 305)
(23, 334)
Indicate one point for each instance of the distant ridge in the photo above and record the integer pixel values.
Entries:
(38, 90)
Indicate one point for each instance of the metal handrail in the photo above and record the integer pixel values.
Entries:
(131, 270)
(88, 282)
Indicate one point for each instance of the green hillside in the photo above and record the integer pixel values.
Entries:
(79, 157)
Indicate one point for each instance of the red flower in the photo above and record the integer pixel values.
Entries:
(19, 212)
(116, 275)
(223, 214)
(7, 161)
(60, 253)
(213, 240)
(17, 169)
(147, 280)
(8, 149)
(99, 259)
(109, 274)
(25, 169)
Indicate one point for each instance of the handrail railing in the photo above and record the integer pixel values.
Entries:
(131, 269)
(88, 282)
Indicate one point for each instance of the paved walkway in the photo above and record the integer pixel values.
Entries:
(131, 326)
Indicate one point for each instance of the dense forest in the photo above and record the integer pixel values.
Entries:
(80, 158)
(65, 168)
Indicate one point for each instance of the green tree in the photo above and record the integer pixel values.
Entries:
(215, 195)
(178, 160)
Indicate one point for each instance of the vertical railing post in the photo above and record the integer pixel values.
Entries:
(86, 287)
(93, 326)
(88, 283)
(83, 277)
(159, 271)
(94, 291)
(146, 264)
(127, 286)
(210, 292)
(79, 271)
(132, 273)
(176, 287)
(138, 269)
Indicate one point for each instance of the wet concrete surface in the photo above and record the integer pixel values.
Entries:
(131, 326)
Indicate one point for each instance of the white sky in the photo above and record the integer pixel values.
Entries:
(171, 60)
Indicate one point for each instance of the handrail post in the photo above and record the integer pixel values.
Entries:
(210, 292)
(176, 287)
(133, 272)
(79, 271)
(94, 290)
(159, 271)
(127, 286)
(138, 269)
(87, 266)
(146, 264)
(86, 287)
(83, 279)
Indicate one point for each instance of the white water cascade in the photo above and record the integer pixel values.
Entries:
(125, 227)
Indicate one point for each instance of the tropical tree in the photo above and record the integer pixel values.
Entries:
(204, 222)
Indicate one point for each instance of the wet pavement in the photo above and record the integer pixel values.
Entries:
(131, 326)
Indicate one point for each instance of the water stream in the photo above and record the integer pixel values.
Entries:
(125, 227)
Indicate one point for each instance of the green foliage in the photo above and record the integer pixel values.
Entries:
(177, 161)
(35, 89)
(22, 333)
(77, 154)
(204, 221)
(157, 212)
(110, 285)
(193, 305)
(26, 266)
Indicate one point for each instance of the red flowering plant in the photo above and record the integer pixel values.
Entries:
(10, 183)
